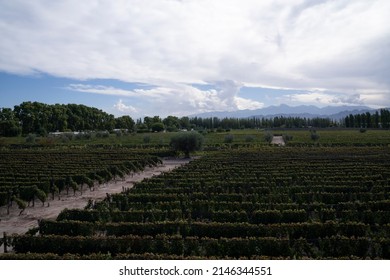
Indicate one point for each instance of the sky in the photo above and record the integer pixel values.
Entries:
(182, 57)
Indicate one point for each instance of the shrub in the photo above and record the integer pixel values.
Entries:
(187, 142)
(249, 138)
(268, 137)
(64, 139)
(229, 138)
(102, 134)
(313, 135)
(83, 135)
(146, 139)
(31, 138)
(68, 135)
(157, 127)
(287, 138)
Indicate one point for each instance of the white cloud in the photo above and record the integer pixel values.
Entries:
(340, 46)
(175, 99)
(322, 98)
(248, 104)
(104, 90)
(123, 108)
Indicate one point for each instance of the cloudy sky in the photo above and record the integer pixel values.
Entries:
(162, 57)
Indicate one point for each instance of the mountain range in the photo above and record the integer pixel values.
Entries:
(303, 111)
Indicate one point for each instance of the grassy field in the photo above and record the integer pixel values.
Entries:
(338, 137)
(232, 138)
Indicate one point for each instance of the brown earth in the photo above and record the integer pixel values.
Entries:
(278, 140)
(13, 223)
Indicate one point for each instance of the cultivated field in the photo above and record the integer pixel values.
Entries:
(322, 199)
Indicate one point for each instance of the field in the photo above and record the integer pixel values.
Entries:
(27, 175)
(216, 138)
(240, 198)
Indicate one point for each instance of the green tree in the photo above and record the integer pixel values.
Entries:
(142, 128)
(347, 121)
(149, 121)
(376, 119)
(9, 129)
(125, 122)
(385, 118)
(351, 120)
(9, 124)
(26, 113)
(185, 123)
(187, 142)
(171, 123)
(157, 126)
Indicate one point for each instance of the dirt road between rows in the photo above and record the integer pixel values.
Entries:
(278, 140)
(13, 223)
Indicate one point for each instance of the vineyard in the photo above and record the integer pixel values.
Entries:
(30, 175)
(263, 203)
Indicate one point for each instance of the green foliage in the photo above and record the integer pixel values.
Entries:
(258, 203)
(229, 138)
(313, 135)
(380, 119)
(21, 203)
(41, 118)
(41, 195)
(172, 123)
(31, 138)
(268, 136)
(249, 138)
(33, 174)
(9, 125)
(157, 127)
(187, 142)
(9, 128)
(102, 134)
(287, 138)
(125, 122)
(64, 138)
(146, 139)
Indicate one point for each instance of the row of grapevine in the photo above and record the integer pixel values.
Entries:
(304, 214)
(333, 247)
(313, 230)
(27, 175)
(282, 202)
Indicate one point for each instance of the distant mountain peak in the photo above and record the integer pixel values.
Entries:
(286, 110)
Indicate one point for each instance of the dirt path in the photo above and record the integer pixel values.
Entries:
(14, 223)
(278, 140)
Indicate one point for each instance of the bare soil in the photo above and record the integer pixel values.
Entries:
(278, 140)
(13, 223)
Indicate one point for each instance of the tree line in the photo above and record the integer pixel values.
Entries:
(39, 118)
(380, 119)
